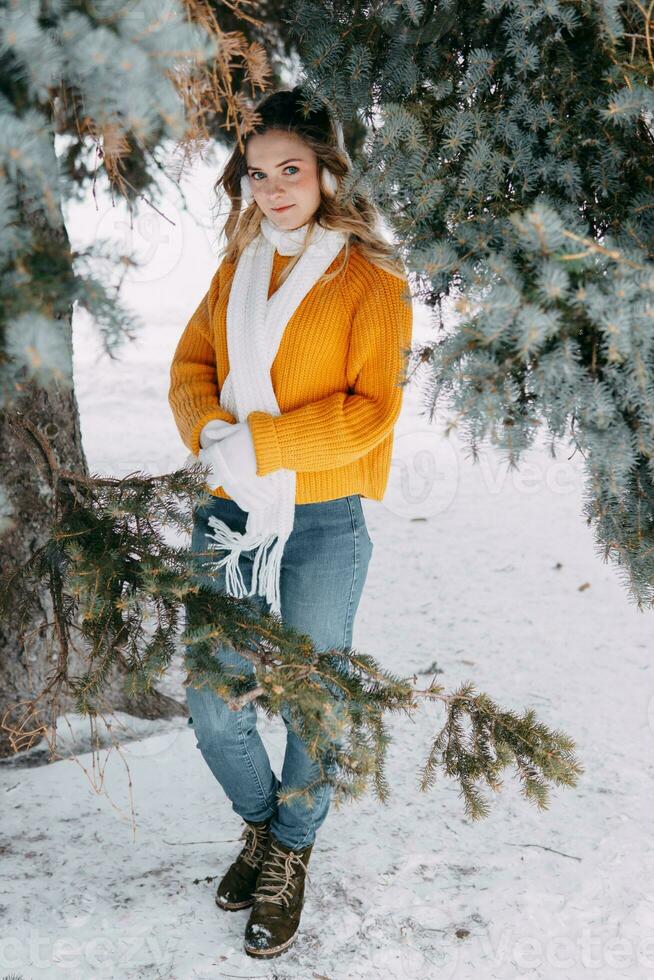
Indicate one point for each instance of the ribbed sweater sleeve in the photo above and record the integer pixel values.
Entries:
(193, 395)
(338, 429)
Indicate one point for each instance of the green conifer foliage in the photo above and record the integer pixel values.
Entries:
(105, 72)
(512, 146)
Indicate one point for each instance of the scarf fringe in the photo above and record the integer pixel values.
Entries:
(265, 569)
(266, 572)
(224, 539)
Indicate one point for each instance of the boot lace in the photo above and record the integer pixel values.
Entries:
(275, 882)
(255, 839)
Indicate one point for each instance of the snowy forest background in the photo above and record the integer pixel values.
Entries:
(478, 572)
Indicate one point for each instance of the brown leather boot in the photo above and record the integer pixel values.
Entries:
(278, 899)
(236, 889)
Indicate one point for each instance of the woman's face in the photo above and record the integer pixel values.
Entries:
(283, 173)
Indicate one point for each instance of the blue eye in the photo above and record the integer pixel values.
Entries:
(254, 173)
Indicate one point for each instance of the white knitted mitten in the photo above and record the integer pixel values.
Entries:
(214, 431)
(233, 463)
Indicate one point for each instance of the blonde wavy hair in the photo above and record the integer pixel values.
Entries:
(354, 215)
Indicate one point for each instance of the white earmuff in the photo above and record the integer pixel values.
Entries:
(328, 181)
(246, 190)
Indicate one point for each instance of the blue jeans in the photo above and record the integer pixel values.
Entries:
(323, 570)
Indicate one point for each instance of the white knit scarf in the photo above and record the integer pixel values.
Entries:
(255, 326)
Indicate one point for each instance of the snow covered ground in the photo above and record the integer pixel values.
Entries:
(489, 575)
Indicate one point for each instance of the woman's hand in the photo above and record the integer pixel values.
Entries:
(233, 462)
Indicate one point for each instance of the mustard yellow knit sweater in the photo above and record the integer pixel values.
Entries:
(335, 376)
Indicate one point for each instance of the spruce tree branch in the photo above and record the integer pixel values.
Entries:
(592, 246)
(110, 542)
(239, 702)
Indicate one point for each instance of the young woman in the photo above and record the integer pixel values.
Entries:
(287, 383)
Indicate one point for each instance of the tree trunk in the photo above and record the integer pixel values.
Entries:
(29, 653)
